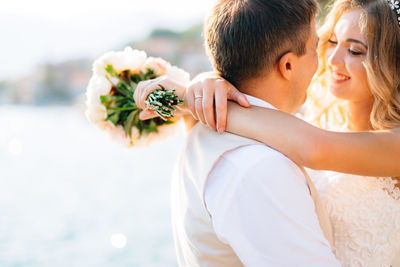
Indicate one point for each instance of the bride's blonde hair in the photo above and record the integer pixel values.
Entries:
(379, 25)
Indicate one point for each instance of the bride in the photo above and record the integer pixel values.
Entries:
(360, 64)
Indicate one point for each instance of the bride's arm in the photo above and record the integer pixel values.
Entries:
(374, 153)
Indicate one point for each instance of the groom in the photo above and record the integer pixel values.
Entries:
(235, 201)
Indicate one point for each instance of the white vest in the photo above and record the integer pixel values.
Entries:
(195, 239)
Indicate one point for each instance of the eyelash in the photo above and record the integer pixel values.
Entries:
(354, 53)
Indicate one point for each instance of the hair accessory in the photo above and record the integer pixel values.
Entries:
(395, 5)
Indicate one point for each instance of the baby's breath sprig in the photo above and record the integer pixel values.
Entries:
(162, 102)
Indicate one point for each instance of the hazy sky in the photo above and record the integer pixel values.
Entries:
(33, 32)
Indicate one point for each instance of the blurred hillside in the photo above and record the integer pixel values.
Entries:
(65, 82)
(184, 49)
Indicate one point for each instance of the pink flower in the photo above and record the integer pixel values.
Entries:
(158, 65)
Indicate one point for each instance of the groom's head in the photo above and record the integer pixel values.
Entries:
(256, 39)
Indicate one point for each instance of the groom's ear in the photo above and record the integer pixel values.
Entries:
(287, 64)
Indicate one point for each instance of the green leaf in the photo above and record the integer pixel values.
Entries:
(113, 117)
(136, 78)
(104, 99)
(169, 122)
(152, 127)
(129, 123)
(109, 98)
(134, 107)
(133, 85)
(110, 70)
(150, 74)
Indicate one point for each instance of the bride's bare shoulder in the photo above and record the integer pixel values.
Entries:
(396, 131)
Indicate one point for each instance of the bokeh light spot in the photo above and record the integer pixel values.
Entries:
(118, 240)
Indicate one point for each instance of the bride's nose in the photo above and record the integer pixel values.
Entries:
(335, 56)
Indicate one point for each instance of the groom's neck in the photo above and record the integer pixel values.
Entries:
(270, 89)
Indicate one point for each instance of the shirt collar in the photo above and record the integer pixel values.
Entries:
(254, 101)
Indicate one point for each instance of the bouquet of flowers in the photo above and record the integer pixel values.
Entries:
(110, 103)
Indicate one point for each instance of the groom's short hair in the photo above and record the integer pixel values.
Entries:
(245, 37)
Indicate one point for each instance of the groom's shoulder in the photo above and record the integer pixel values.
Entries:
(240, 151)
(260, 155)
(202, 133)
(263, 165)
(248, 149)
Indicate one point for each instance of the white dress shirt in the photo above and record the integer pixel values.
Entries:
(261, 206)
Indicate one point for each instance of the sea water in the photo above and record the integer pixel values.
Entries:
(69, 196)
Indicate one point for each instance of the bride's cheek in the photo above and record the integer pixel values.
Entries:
(360, 78)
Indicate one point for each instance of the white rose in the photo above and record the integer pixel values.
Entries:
(96, 113)
(98, 67)
(128, 59)
(117, 60)
(102, 85)
(100, 64)
(92, 98)
(98, 86)
(178, 75)
(134, 58)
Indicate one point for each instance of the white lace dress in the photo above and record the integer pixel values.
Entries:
(365, 215)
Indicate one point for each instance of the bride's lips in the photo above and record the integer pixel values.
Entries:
(339, 78)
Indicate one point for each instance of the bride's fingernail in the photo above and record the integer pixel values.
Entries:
(221, 130)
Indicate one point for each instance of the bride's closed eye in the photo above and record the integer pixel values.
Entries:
(357, 49)
(352, 51)
(355, 52)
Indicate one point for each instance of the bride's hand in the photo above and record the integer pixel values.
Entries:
(145, 88)
(205, 90)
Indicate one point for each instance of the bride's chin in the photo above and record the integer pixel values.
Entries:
(339, 92)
